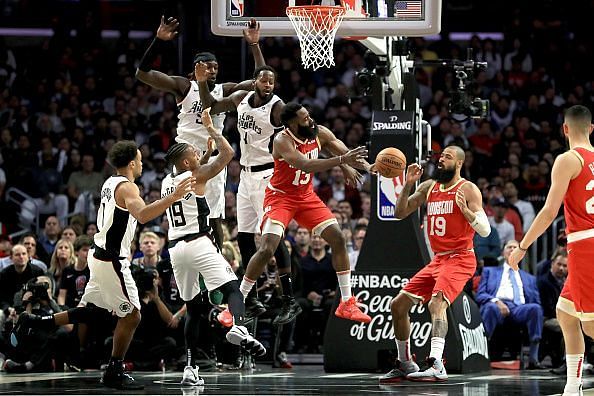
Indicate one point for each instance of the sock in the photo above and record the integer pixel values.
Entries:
(534, 351)
(246, 286)
(47, 322)
(286, 284)
(403, 350)
(574, 372)
(29, 365)
(344, 282)
(189, 357)
(437, 344)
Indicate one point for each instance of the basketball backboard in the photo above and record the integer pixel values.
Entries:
(382, 18)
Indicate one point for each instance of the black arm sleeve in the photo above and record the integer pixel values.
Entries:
(149, 56)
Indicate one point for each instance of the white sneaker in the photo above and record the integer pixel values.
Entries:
(191, 377)
(400, 371)
(435, 372)
(571, 391)
(239, 335)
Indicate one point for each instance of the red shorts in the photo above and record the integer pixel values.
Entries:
(308, 210)
(446, 273)
(576, 297)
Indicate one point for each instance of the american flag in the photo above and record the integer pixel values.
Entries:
(408, 9)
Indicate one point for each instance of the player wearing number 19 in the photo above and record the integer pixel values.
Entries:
(193, 251)
(572, 183)
(454, 213)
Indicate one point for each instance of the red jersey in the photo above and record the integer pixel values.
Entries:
(579, 199)
(448, 229)
(289, 180)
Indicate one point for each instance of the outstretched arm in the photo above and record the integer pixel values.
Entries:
(407, 203)
(208, 101)
(178, 86)
(566, 167)
(208, 171)
(335, 146)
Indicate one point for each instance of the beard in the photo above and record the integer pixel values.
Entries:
(308, 132)
(443, 175)
(211, 84)
(263, 96)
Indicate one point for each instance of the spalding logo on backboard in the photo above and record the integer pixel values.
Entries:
(388, 191)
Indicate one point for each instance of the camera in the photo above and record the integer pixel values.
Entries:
(38, 290)
(144, 278)
(462, 103)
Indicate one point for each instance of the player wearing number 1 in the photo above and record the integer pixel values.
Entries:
(572, 183)
(454, 213)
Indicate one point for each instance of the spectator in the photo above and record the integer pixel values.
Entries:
(28, 241)
(504, 228)
(510, 192)
(302, 241)
(91, 229)
(149, 246)
(550, 286)
(62, 257)
(489, 246)
(358, 239)
(49, 238)
(340, 191)
(84, 186)
(75, 277)
(13, 278)
(69, 234)
(505, 295)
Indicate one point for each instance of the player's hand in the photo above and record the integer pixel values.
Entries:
(355, 156)
(252, 33)
(351, 176)
(461, 200)
(167, 29)
(413, 173)
(206, 118)
(372, 169)
(515, 257)
(174, 322)
(184, 187)
(200, 72)
(503, 309)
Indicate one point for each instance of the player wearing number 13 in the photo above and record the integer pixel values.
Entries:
(454, 213)
(572, 183)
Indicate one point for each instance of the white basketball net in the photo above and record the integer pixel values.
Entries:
(316, 28)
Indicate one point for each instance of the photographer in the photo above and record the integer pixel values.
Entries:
(35, 350)
(13, 277)
(151, 344)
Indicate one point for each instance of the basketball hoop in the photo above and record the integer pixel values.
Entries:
(316, 28)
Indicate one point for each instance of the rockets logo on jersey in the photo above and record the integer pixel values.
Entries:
(246, 121)
(388, 191)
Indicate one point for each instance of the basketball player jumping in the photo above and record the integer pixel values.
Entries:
(572, 183)
(454, 213)
(189, 128)
(111, 285)
(258, 121)
(290, 195)
(193, 251)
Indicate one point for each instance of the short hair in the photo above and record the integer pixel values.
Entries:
(579, 115)
(122, 153)
(176, 152)
(81, 241)
(561, 251)
(27, 235)
(289, 112)
(460, 154)
(148, 234)
(262, 68)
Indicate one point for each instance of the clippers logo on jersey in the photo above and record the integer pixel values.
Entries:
(247, 121)
(106, 193)
(388, 191)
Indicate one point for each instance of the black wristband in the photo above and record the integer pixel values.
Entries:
(521, 248)
(150, 54)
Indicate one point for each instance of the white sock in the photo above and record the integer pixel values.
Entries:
(575, 365)
(344, 282)
(403, 350)
(437, 344)
(246, 286)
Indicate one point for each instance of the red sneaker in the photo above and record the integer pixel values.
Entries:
(349, 310)
(225, 318)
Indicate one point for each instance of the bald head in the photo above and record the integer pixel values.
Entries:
(579, 120)
(458, 152)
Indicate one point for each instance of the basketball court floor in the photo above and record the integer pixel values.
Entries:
(301, 380)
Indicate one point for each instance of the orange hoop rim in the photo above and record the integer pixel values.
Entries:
(335, 10)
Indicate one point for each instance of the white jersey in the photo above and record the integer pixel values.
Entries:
(256, 131)
(189, 127)
(187, 216)
(115, 224)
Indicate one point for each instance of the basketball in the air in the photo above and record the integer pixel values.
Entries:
(390, 162)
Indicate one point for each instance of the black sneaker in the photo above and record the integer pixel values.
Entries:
(253, 308)
(10, 366)
(289, 311)
(119, 380)
(23, 327)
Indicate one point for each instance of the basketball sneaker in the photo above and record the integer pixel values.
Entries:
(253, 308)
(349, 310)
(191, 377)
(117, 378)
(239, 335)
(282, 361)
(289, 311)
(23, 327)
(434, 372)
(572, 391)
(225, 318)
(399, 372)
